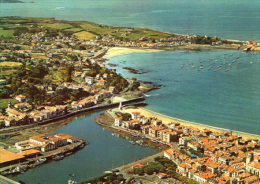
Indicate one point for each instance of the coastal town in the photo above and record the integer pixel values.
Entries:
(50, 74)
(203, 155)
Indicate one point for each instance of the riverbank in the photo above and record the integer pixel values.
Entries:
(167, 119)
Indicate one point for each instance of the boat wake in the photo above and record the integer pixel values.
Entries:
(151, 95)
(59, 8)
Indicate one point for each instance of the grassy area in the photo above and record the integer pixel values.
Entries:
(4, 102)
(57, 26)
(84, 35)
(8, 71)
(83, 29)
(73, 29)
(8, 68)
(10, 64)
(39, 56)
(6, 33)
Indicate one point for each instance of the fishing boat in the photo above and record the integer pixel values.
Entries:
(113, 134)
(69, 153)
(247, 49)
(139, 141)
(71, 182)
(132, 142)
(154, 141)
(40, 161)
(144, 137)
(72, 175)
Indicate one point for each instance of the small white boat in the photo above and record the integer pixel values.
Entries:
(40, 161)
(72, 182)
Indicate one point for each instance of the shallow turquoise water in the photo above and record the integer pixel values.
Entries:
(227, 98)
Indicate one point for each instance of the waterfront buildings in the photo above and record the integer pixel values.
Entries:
(206, 156)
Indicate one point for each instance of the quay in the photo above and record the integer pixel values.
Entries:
(4, 180)
(69, 114)
(48, 155)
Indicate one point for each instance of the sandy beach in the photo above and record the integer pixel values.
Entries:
(122, 50)
(166, 120)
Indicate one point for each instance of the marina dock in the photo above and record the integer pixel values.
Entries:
(5, 180)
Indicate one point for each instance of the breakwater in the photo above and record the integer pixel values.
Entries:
(70, 114)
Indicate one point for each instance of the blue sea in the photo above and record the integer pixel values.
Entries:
(220, 88)
(229, 19)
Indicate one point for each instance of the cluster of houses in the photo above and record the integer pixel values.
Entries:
(228, 158)
(44, 144)
(35, 146)
(16, 117)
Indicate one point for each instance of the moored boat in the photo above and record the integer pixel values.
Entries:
(72, 182)
(40, 161)
(154, 141)
(69, 153)
(132, 142)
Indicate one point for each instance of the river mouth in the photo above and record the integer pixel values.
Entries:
(103, 151)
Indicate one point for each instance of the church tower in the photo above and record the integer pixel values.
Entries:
(9, 104)
(120, 106)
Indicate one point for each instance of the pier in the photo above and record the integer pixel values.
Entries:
(5, 180)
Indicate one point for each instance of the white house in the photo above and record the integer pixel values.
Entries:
(118, 121)
(20, 98)
(127, 124)
(48, 147)
(89, 80)
(101, 82)
(77, 74)
(135, 114)
(19, 105)
(112, 89)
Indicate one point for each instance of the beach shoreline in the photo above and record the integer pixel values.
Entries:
(115, 51)
(168, 119)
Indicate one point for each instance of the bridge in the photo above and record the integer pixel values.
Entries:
(5, 180)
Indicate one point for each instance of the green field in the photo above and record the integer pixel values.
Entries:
(8, 68)
(84, 35)
(39, 56)
(10, 64)
(73, 29)
(4, 102)
(57, 25)
(6, 33)
(82, 29)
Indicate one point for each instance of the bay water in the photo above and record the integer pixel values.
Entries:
(226, 98)
(102, 154)
(220, 88)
